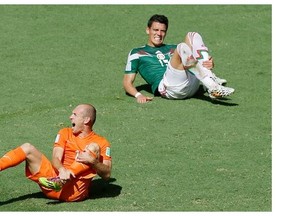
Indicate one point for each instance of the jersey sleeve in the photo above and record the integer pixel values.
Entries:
(61, 138)
(105, 153)
(132, 62)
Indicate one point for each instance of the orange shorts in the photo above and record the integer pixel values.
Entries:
(74, 190)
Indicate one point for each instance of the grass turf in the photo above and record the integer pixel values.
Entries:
(189, 155)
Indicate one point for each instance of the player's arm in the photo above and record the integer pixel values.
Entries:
(129, 87)
(103, 168)
(57, 155)
(209, 64)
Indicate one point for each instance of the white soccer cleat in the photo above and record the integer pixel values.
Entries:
(220, 92)
(219, 80)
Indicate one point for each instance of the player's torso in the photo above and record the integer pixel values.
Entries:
(152, 62)
(154, 59)
(74, 144)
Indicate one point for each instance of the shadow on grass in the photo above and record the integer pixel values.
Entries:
(144, 87)
(99, 189)
(23, 197)
(200, 95)
(104, 189)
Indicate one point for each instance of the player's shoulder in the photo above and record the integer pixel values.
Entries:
(137, 49)
(66, 130)
(171, 46)
(101, 140)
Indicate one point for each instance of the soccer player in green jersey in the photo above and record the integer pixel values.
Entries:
(172, 71)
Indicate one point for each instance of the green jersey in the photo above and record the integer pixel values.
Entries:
(150, 62)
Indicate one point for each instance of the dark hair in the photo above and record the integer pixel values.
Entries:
(158, 18)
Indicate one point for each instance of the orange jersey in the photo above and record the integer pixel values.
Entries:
(77, 188)
(71, 143)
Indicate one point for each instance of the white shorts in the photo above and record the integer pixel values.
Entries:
(178, 84)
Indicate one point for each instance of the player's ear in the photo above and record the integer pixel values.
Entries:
(87, 120)
(147, 30)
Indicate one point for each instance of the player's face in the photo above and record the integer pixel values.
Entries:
(77, 120)
(156, 33)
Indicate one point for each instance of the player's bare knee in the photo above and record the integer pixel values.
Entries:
(28, 148)
(189, 38)
(186, 55)
(188, 41)
(95, 148)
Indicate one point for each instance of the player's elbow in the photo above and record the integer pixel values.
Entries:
(106, 176)
(128, 81)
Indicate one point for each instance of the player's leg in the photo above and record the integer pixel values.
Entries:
(77, 168)
(200, 52)
(189, 63)
(178, 83)
(182, 58)
(36, 164)
(25, 152)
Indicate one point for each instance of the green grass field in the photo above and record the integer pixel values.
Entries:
(189, 155)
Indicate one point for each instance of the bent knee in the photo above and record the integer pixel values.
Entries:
(93, 147)
(28, 147)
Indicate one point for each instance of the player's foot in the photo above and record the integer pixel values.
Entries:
(219, 80)
(220, 92)
(52, 183)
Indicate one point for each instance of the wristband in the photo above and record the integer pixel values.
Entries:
(137, 94)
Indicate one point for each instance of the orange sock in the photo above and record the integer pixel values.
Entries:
(12, 158)
(77, 167)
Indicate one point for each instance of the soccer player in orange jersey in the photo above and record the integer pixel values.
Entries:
(78, 155)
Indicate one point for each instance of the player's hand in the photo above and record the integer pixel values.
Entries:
(65, 174)
(209, 64)
(87, 158)
(143, 99)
